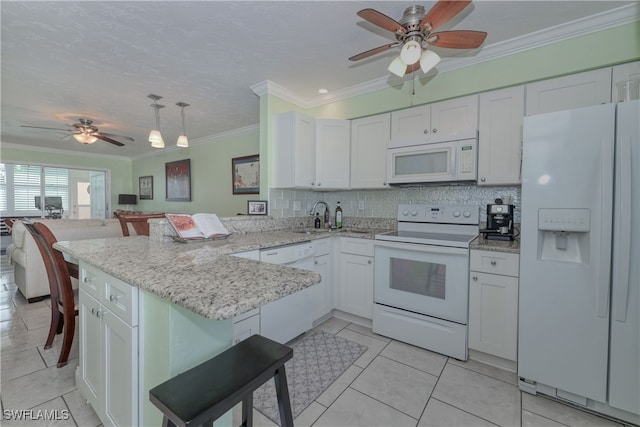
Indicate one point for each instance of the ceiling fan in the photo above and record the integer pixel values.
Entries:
(86, 133)
(414, 32)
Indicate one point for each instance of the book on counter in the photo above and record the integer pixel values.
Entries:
(199, 226)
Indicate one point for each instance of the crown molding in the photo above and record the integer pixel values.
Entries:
(580, 27)
(62, 151)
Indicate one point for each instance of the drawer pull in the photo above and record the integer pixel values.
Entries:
(493, 263)
(87, 279)
(114, 298)
(369, 261)
(475, 278)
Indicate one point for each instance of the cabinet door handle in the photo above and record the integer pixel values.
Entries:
(434, 130)
(114, 298)
(87, 279)
(493, 263)
(315, 262)
(369, 261)
(313, 183)
(426, 131)
(475, 278)
(93, 311)
(483, 179)
(319, 184)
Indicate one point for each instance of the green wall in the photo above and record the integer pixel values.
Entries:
(120, 168)
(211, 189)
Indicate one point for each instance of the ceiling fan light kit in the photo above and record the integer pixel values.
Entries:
(85, 138)
(414, 32)
(86, 133)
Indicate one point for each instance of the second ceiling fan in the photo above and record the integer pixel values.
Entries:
(415, 32)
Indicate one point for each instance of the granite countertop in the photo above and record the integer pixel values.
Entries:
(203, 277)
(495, 245)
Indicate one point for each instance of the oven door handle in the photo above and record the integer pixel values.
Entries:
(422, 248)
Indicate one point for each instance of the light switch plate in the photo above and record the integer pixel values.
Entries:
(361, 204)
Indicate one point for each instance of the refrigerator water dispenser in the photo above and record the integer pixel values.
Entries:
(563, 235)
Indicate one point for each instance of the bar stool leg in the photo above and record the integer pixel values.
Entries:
(166, 422)
(282, 391)
(247, 411)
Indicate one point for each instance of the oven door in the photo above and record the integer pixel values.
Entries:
(425, 279)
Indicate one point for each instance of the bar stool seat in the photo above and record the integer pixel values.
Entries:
(204, 393)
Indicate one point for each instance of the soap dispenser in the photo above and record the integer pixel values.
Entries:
(317, 223)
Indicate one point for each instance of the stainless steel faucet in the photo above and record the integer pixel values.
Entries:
(326, 211)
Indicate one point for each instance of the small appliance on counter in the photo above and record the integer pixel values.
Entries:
(499, 221)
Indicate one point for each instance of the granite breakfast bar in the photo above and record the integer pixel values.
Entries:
(150, 310)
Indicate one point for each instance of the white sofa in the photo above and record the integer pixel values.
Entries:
(30, 274)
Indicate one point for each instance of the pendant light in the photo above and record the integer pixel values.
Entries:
(182, 139)
(155, 138)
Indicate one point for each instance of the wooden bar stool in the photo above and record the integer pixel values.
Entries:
(202, 394)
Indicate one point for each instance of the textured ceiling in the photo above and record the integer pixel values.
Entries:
(100, 59)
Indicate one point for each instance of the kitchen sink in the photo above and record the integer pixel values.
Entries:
(335, 230)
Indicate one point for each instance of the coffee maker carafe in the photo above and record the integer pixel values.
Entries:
(499, 221)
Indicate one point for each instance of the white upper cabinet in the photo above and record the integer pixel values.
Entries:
(369, 139)
(332, 154)
(573, 91)
(310, 153)
(294, 150)
(621, 73)
(440, 121)
(500, 139)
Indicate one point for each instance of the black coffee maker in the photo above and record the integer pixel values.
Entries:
(499, 221)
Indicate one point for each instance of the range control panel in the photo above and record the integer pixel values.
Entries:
(445, 214)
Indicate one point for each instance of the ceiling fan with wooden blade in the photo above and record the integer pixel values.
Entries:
(86, 133)
(414, 32)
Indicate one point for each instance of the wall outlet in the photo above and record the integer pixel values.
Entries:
(296, 205)
(361, 205)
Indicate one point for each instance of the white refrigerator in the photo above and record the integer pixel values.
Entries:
(579, 298)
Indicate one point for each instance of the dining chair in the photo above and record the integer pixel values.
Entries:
(64, 307)
(138, 222)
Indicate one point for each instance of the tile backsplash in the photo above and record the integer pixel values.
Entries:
(384, 203)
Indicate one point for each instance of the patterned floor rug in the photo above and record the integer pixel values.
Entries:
(319, 358)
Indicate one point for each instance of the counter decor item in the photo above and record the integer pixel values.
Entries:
(178, 176)
(257, 207)
(246, 174)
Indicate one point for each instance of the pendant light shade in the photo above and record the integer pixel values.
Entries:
(85, 138)
(182, 139)
(428, 60)
(410, 52)
(398, 67)
(155, 138)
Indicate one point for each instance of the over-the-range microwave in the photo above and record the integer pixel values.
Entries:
(450, 161)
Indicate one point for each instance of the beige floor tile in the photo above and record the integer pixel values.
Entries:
(259, 420)
(561, 413)
(332, 325)
(53, 413)
(483, 368)
(10, 327)
(529, 419)
(439, 414)
(355, 409)
(367, 331)
(374, 346)
(416, 357)
(23, 340)
(338, 386)
(9, 313)
(400, 386)
(480, 395)
(15, 365)
(82, 412)
(39, 387)
(52, 354)
(309, 415)
(36, 318)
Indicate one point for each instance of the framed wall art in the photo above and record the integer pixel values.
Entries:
(145, 187)
(257, 207)
(178, 176)
(246, 174)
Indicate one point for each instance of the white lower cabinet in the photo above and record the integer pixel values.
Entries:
(355, 284)
(108, 334)
(246, 325)
(493, 307)
(322, 293)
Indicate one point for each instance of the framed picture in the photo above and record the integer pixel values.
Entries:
(257, 207)
(178, 180)
(246, 174)
(145, 187)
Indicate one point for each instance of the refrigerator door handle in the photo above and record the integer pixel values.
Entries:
(622, 236)
(602, 286)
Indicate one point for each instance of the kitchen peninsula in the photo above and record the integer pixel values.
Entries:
(150, 310)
